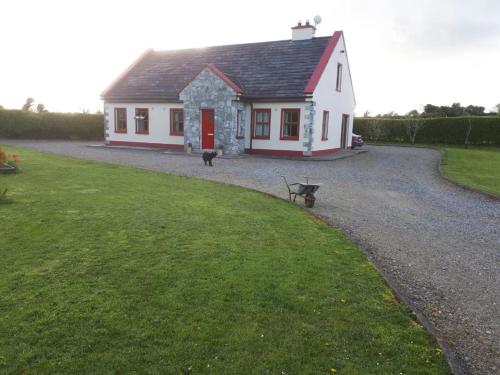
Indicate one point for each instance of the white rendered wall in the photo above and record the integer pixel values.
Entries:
(159, 123)
(275, 143)
(327, 98)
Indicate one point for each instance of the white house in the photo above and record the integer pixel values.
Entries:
(290, 98)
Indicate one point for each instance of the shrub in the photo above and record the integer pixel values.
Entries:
(8, 162)
(484, 130)
(3, 156)
(69, 126)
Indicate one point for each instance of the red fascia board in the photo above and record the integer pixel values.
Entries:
(126, 71)
(225, 78)
(323, 61)
(219, 74)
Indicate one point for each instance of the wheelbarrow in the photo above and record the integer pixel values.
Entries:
(305, 190)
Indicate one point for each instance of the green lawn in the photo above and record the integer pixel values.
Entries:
(476, 167)
(108, 269)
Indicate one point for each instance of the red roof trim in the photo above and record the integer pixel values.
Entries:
(126, 71)
(323, 61)
(219, 74)
(225, 78)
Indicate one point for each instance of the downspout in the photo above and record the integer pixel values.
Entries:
(250, 150)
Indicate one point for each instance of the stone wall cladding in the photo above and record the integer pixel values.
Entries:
(245, 108)
(310, 111)
(209, 91)
(106, 125)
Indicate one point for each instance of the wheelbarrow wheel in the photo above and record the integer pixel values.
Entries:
(309, 200)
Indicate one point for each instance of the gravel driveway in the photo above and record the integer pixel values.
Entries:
(437, 245)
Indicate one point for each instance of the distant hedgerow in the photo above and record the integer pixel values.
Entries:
(473, 130)
(69, 126)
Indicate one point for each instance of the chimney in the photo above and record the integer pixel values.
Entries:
(302, 32)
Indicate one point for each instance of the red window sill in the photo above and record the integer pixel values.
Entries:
(338, 90)
(289, 138)
(142, 133)
(177, 134)
(257, 137)
(324, 139)
(121, 131)
(240, 137)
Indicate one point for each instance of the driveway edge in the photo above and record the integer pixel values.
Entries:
(457, 366)
(459, 184)
(440, 170)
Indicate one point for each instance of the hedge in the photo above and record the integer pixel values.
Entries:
(69, 126)
(485, 130)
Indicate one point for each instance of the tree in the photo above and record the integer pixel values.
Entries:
(413, 125)
(1, 107)
(497, 107)
(413, 113)
(455, 110)
(468, 129)
(432, 110)
(474, 110)
(40, 108)
(367, 113)
(390, 114)
(29, 103)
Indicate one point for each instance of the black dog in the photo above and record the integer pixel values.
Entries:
(208, 156)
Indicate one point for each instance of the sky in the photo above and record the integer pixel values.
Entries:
(403, 54)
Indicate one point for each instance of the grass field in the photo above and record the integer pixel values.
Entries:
(108, 269)
(476, 167)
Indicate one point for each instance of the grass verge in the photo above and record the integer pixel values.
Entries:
(109, 269)
(476, 167)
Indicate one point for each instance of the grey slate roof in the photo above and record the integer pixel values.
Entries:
(271, 70)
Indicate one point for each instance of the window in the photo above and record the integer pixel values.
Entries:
(142, 121)
(290, 121)
(176, 121)
(324, 131)
(120, 120)
(339, 77)
(240, 130)
(262, 128)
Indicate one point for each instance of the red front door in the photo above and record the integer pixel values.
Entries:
(207, 128)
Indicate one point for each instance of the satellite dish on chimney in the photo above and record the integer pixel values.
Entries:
(317, 20)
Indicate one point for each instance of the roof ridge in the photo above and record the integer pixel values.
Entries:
(239, 44)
